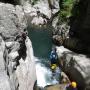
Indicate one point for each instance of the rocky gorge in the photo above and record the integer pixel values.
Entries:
(16, 48)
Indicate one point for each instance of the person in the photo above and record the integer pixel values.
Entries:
(53, 58)
(72, 86)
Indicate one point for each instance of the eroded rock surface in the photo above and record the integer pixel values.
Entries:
(77, 66)
(40, 11)
(17, 68)
(80, 25)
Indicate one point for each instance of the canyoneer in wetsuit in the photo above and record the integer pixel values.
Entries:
(53, 59)
(72, 86)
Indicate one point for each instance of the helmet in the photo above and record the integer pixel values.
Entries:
(53, 66)
(74, 84)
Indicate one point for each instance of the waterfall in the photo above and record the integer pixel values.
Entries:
(42, 44)
(44, 74)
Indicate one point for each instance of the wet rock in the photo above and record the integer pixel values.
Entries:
(58, 40)
(64, 78)
(14, 49)
(60, 31)
(76, 45)
(75, 65)
(41, 10)
(54, 6)
(38, 21)
(54, 22)
(12, 21)
(80, 25)
(9, 44)
(14, 2)
(56, 87)
(61, 34)
(4, 79)
(26, 70)
(13, 55)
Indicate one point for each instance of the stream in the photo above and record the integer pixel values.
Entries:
(42, 45)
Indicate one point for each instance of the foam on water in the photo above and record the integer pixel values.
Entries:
(44, 75)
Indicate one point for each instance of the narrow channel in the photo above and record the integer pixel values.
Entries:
(42, 45)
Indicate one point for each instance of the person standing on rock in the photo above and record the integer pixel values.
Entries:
(53, 58)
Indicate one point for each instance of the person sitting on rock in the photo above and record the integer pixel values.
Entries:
(72, 86)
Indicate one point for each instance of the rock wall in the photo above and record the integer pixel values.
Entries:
(80, 25)
(77, 67)
(14, 2)
(17, 66)
(40, 12)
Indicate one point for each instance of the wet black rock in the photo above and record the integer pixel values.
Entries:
(14, 2)
(80, 24)
(58, 40)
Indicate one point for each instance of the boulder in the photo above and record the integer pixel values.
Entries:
(58, 40)
(77, 66)
(41, 10)
(26, 70)
(55, 6)
(12, 21)
(56, 87)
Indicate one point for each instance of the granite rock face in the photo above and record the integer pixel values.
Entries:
(41, 11)
(17, 64)
(12, 21)
(77, 66)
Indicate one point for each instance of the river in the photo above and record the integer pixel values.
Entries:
(42, 45)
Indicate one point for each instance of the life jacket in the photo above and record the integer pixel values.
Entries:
(53, 55)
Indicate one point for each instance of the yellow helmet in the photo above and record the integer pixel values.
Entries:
(74, 84)
(53, 66)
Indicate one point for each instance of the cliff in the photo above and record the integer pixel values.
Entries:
(76, 67)
(80, 27)
(17, 66)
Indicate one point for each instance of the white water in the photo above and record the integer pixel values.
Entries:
(42, 45)
(44, 74)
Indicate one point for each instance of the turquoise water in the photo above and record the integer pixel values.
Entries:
(42, 45)
(41, 42)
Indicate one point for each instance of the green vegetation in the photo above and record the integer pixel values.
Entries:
(66, 9)
(34, 1)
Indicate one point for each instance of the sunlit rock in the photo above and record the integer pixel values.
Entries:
(13, 55)
(9, 44)
(44, 9)
(38, 21)
(26, 70)
(55, 6)
(14, 49)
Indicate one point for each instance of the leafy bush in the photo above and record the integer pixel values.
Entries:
(65, 12)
